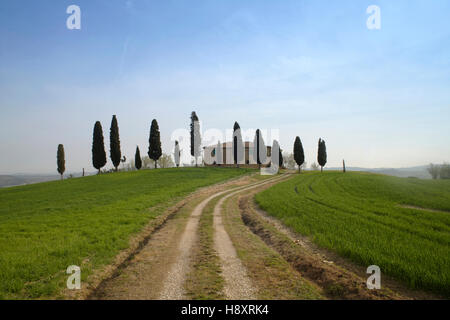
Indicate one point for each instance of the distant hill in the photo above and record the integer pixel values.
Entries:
(21, 179)
(11, 180)
(7, 180)
(416, 172)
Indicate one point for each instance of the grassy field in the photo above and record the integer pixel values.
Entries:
(362, 216)
(46, 227)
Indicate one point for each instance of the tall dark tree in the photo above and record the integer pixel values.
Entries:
(114, 141)
(259, 149)
(237, 144)
(154, 149)
(236, 126)
(280, 158)
(138, 159)
(195, 137)
(322, 154)
(299, 155)
(177, 154)
(98, 148)
(60, 160)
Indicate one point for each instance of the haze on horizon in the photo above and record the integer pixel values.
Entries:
(379, 98)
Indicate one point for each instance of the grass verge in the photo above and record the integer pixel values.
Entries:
(46, 227)
(360, 216)
(204, 282)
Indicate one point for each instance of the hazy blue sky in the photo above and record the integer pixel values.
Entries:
(379, 98)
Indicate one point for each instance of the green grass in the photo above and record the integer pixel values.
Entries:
(359, 216)
(205, 281)
(46, 227)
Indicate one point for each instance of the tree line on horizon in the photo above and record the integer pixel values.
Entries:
(439, 171)
(99, 158)
(98, 147)
(258, 143)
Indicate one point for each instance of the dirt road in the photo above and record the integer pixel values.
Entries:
(158, 270)
(217, 244)
(238, 285)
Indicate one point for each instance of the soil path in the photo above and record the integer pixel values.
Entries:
(238, 285)
(158, 270)
(173, 286)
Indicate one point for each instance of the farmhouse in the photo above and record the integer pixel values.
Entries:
(227, 155)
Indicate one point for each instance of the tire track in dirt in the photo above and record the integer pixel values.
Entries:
(142, 269)
(173, 288)
(238, 285)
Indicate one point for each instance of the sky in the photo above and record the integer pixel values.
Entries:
(379, 98)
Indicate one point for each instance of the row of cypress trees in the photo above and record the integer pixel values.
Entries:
(155, 151)
(99, 153)
(98, 147)
(299, 154)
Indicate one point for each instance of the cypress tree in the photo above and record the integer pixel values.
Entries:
(195, 137)
(114, 140)
(299, 155)
(280, 158)
(98, 148)
(154, 149)
(138, 159)
(237, 144)
(258, 148)
(322, 154)
(236, 126)
(177, 154)
(60, 160)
